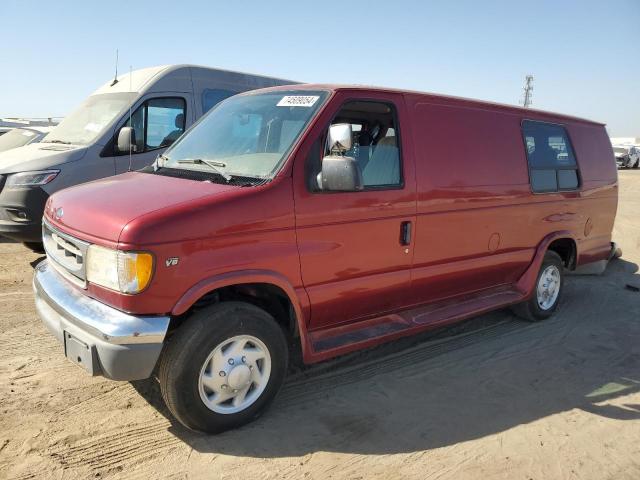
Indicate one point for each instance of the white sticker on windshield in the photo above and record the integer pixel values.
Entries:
(298, 101)
(27, 133)
(92, 127)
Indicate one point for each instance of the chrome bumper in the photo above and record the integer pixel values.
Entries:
(101, 339)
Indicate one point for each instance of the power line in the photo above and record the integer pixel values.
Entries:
(528, 92)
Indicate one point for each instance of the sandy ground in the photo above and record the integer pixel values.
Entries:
(493, 398)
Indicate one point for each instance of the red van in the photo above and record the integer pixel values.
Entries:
(339, 217)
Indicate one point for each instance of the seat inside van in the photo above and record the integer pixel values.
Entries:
(374, 142)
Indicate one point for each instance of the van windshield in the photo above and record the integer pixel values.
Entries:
(90, 119)
(246, 135)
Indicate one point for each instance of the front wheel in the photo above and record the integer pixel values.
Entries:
(547, 292)
(223, 367)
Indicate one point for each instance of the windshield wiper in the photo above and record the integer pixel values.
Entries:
(56, 141)
(212, 164)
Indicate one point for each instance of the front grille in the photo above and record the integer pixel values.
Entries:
(67, 253)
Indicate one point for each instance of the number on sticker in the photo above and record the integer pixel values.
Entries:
(298, 101)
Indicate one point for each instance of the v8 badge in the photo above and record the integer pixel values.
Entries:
(171, 262)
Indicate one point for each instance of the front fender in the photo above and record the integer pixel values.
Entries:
(298, 297)
(238, 278)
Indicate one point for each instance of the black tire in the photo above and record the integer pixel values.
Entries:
(637, 164)
(530, 310)
(186, 351)
(36, 247)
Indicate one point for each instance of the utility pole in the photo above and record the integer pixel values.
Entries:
(528, 91)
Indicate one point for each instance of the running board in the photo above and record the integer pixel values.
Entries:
(335, 341)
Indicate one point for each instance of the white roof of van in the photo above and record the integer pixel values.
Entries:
(131, 83)
(138, 80)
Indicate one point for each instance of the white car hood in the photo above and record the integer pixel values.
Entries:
(39, 156)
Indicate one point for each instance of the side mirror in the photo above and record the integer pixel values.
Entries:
(340, 138)
(340, 174)
(127, 140)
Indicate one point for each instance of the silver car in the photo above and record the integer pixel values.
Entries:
(627, 156)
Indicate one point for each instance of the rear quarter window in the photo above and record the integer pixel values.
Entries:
(550, 155)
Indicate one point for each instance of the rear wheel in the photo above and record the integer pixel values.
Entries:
(547, 292)
(223, 367)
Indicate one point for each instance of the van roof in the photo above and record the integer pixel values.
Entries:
(139, 79)
(469, 102)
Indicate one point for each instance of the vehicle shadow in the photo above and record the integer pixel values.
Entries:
(442, 390)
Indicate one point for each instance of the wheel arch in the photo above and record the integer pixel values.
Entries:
(560, 239)
(266, 289)
(567, 248)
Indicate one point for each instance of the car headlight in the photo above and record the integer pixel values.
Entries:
(126, 272)
(31, 179)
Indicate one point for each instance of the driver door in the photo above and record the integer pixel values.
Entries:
(355, 254)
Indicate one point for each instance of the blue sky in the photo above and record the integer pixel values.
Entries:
(584, 55)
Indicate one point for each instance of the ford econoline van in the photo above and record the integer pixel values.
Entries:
(336, 217)
(161, 101)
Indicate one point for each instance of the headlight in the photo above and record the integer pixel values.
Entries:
(31, 179)
(126, 272)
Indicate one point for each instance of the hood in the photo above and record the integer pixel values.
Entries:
(100, 210)
(39, 156)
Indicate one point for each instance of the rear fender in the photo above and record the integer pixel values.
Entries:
(527, 282)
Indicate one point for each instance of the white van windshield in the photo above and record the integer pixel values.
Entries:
(246, 135)
(89, 120)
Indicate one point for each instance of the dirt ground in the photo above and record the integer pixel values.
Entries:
(493, 398)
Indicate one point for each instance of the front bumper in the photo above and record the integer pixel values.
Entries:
(102, 340)
(21, 212)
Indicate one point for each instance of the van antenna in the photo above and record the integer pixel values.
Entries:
(130, 122)
(115, 77)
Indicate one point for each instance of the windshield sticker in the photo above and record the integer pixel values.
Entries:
(298, 101)
(27, 133)
(92, 127)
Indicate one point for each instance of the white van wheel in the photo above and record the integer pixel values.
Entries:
(223, 367)
(548, 289)
(235, 374)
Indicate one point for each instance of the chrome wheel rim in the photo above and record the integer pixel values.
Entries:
(548, 287)
(235, 374)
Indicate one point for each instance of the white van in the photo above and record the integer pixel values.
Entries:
(161, 103)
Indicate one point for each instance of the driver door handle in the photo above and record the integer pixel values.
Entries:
(405, 233)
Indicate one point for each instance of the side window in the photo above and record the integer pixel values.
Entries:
(158, 123)
(374, 145)
(552, 163)
(212, 96)
(165, 121)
